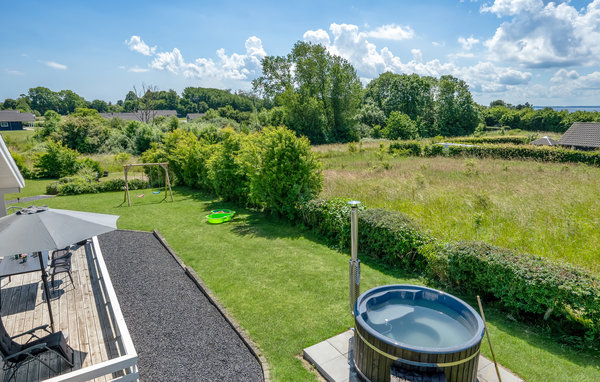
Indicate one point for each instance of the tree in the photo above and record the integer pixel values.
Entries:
(99, 105)
(370, 114)
(321, 94)
(400, 126)
(456, 113)
(43, 99)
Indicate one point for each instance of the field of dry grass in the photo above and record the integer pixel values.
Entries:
(547, 209)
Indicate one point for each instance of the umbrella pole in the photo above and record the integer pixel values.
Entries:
(46, 291)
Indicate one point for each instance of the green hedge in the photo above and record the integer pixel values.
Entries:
(491, 140)
(499, 151)
(76, 185)
(540, 153)
(522, 283)
(529, 285)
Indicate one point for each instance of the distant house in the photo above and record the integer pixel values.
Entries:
(582, 136)
(544, 141)
(192, 116)
(14, 119)
(141, 115)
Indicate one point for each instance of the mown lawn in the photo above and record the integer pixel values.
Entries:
(546, 209)
(289, 290)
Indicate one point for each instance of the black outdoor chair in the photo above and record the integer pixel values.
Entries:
(61, 264)
(16, 355)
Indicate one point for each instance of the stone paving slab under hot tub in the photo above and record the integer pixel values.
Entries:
(332, 358)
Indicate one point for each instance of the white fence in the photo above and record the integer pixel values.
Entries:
(125, 366)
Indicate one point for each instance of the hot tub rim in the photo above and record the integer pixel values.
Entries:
(474, 341)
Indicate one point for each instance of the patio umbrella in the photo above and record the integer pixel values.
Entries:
(36, 229)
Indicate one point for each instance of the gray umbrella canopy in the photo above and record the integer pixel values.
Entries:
(43, 229)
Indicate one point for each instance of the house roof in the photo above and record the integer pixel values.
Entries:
(16, 116)
(10, 176)
(544, 141)
(192, 116)
(582, 134)
(136, 116)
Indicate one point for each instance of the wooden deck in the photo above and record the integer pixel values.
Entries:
(81, 312)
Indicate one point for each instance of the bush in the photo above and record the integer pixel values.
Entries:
(20, 162)
(225, 169)
(92, 165)
(524, 283)
(56, 162)
(414, 148)
(391, 237)
(282, 170)
(85, 183)
(400, 126)
(492, 140)
(329, 218)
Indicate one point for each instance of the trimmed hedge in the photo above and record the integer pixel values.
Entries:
(540, 153)
(498, 151)
(77, 185)
(522, 283)
(525, 284)
(491, 140)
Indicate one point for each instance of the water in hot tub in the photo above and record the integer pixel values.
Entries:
(423, 325)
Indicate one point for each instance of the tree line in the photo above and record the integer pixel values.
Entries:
(320, 96)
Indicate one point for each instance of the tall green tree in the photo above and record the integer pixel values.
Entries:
(321, 94)
(456, 113)
(43, 99)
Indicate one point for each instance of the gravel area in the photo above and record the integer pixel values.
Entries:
(29, 199)
(178, 334)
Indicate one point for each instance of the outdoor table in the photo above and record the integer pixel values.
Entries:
(9, 266)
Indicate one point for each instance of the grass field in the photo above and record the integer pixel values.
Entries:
(541, 208)
(289, 290)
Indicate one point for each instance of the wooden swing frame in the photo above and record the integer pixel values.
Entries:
(165, 166)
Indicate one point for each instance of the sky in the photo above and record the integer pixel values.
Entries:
(541, 52)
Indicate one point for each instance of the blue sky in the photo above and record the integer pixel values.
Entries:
(546, 53)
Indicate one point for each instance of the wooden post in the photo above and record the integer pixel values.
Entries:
(488, 337)
(167, 181)
(126, 196)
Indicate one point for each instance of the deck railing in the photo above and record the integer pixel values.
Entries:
(123, 368)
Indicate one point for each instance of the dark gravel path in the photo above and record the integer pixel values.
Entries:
(178, 334)
(29, 199)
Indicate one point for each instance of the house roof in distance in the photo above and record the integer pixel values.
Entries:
(544, 141)
(582, 134)
(16, 116)
(137, 116)
(192, 116)
(10, 176)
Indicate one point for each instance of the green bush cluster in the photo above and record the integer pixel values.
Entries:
(271, 169)
(527, 285)
(414, 148)
(60, 161)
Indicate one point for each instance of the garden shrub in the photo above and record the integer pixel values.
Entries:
(524, 283)
(225, 169)
(86, 183)
(57, 161)
(392, 237)
(282, 169)
(20, 162)
(413, 147)
(329, 218)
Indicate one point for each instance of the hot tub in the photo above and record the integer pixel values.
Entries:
(415, 328)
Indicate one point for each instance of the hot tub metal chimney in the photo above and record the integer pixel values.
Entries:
(354, 262)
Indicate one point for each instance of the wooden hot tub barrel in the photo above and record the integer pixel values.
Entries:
(375, 354)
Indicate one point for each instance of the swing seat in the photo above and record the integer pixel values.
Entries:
(156, 192)
(140, 196)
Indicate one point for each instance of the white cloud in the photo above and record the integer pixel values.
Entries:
(137, 69)
(319, 36)
(468, 43)
(512, 7)
(352, 44)
(136, 44)
(228, 67)
(391, 32)
(563, 75)
(55, 65)
(14, 72)
(438, 44)
(545, 35)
